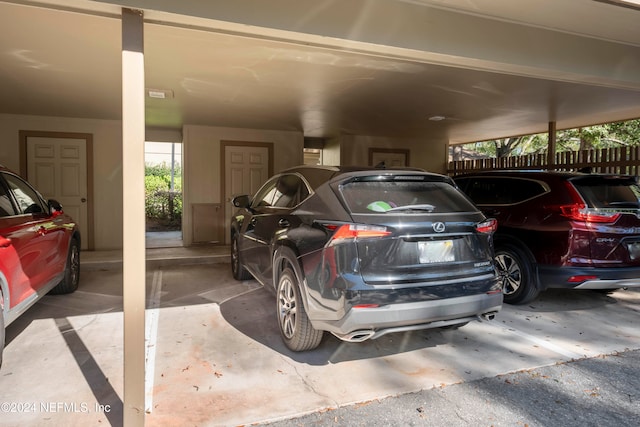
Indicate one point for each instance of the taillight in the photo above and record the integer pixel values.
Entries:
(580, 279)
(366, 306)
(578, 210)
(488, 226)
(358, 231)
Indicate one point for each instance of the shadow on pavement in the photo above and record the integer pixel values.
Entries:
(254, 315)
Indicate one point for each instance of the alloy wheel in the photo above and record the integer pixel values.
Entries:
(287, 307)
(74, 265)
(509, 272)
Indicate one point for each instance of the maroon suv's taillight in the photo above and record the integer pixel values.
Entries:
(578, 210)
(488, 226)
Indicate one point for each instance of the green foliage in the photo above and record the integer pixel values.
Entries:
(617, 134)
(161, 202)
(162, 170)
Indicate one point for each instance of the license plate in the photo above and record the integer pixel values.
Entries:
(634, 250)
(436, 251)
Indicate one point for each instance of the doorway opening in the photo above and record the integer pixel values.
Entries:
(163, 194)
(312, 156)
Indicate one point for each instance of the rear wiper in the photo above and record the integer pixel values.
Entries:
(422, 207)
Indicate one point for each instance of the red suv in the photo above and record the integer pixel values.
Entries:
(560, 229)
(39, 249)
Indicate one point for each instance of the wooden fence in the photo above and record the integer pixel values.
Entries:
(619, 160)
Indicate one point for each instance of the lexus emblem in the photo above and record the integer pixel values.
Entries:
(438, 227)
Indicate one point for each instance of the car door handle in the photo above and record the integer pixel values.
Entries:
(283, 223)
(4, 242)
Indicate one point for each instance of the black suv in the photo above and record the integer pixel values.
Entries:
(560, 229)
(364, 252)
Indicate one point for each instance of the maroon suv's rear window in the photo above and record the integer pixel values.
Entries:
(608, 191)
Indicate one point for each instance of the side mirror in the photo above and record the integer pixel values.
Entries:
(241, 201)
(55, 207)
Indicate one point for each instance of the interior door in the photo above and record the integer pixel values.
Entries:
(246, 168)
(57, 167)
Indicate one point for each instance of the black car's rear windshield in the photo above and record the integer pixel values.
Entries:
(404, 196)
(608, 191)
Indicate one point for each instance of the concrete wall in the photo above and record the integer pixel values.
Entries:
(201, 153)
(107, 165)
(430, 155)
(201, 163)
(201, 157)
(331, 152)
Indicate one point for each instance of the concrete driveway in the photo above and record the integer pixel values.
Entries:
(215, 356)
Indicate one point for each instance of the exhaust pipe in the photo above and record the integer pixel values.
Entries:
(356, 336)
(365, 334)
(488, 316)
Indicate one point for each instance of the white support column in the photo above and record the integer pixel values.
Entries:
(133, 242)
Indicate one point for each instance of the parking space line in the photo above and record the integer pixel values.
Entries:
(240, 294)
(540, 342)
(151, 335)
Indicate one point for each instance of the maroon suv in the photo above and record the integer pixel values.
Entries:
(560, 229)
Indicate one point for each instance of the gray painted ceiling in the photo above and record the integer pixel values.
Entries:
(262, 74)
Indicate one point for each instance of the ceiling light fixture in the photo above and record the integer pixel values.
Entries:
(437, 118)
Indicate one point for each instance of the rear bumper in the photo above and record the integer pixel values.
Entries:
(360, 324)
(595, 278)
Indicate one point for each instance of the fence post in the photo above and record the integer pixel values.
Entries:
(551, 149)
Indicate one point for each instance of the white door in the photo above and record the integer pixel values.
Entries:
(246, 169)
(57, 167)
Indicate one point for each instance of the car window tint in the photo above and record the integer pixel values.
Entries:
(6, 208)
(382, 196)
(502, 191)
(26, 197)
(317, 177)
(608, 192)
(290, 191)
(264, 196)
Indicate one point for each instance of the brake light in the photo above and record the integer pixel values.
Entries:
(366, 306)
(578, 210)
(359, 231)
(488, 226)
(579, 279)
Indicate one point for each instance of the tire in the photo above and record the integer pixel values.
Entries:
(516, 275)
(238, 271)
(297, 332)
(71, 277)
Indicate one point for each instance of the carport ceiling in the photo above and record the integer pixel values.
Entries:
(63, 62)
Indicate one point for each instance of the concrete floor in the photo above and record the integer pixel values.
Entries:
(163, 239)
(215, 357)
